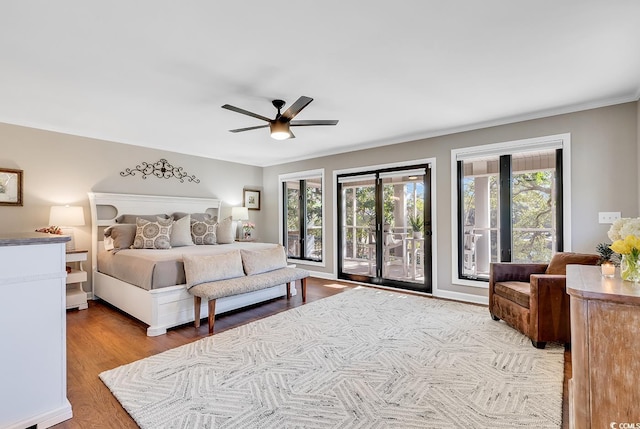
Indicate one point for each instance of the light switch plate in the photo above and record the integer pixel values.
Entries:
(608, 217)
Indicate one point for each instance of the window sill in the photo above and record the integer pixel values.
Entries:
(305, 262)
(480, 284)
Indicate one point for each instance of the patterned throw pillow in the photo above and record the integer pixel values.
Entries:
(203, 231)
(153, 235)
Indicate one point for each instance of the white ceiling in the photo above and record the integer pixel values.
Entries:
(154, 73)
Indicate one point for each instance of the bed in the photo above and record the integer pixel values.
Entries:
(147, 296)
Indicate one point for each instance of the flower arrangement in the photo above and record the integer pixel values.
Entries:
(247, 227)
(625, 234)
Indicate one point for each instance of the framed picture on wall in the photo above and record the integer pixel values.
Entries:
(251, 199)
(10, 187)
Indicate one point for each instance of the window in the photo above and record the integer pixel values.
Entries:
(510, 204)
(302, 220)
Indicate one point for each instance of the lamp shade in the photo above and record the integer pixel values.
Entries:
(66, 216)
(239, 213)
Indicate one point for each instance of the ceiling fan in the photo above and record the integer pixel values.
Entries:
(280, 125)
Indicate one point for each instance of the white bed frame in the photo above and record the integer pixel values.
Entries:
(159, 308)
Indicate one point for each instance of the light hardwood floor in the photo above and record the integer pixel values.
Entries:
(103, 338)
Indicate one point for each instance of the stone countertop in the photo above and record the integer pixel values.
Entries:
(30, 238)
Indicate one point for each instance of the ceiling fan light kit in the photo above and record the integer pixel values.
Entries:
(280, 126)
(280, 130)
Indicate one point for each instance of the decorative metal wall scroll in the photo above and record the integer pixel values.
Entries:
(161, 169)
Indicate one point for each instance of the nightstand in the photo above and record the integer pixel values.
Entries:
(76, 297)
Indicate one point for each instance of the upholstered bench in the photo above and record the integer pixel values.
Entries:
(236, 272)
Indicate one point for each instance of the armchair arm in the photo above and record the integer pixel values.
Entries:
(549, 308)
(514, 272)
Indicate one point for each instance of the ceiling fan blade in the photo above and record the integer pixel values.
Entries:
(307, 123)
(245, 112)
(239, 130)
(296, 107)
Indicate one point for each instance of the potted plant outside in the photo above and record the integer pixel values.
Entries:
(417, 225)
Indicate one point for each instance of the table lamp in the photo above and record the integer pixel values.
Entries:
(239, 214)
(66, 217)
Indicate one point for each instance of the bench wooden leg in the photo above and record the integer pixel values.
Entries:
(288, 290)
(196, 310)
(212, 315)
(304, 289)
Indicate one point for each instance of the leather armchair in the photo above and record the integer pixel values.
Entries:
(532, 298)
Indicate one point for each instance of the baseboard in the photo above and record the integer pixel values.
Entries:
(440, 293)
(459, 296)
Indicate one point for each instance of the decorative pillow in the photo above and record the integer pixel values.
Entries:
(153, 235)
(224, 232)
(131, 218)
(210, 268)
(203, 231)
(121, 235)
(263, 260)
(559, 262)
(181, 232)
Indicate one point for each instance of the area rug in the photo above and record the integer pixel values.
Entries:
(364, 358)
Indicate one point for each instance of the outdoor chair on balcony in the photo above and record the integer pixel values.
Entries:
(392, 251)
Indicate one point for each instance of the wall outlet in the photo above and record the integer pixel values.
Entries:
(608, 217)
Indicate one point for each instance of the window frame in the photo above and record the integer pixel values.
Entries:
(558, 141)
(282, 221)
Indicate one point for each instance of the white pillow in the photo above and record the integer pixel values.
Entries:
(224, 232)
(181, 232)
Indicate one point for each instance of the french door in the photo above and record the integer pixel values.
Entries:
(384, 220)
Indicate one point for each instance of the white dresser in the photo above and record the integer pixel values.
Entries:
(33, 361)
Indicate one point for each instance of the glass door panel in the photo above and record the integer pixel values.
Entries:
(385, 228)
(403, 241)
(358, 228)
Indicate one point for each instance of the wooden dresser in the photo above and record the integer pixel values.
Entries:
(33, 370)
(605, 350)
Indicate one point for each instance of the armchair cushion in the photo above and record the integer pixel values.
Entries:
(518, 292)
(559, 262)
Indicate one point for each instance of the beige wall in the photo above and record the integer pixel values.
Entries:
(61, 169)
(604, 154)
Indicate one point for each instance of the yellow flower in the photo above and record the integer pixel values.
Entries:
(626, 246)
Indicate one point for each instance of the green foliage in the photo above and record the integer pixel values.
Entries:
(416, 222)
(532, 215)
(532, 208)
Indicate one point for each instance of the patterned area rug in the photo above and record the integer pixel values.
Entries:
(364, 358)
